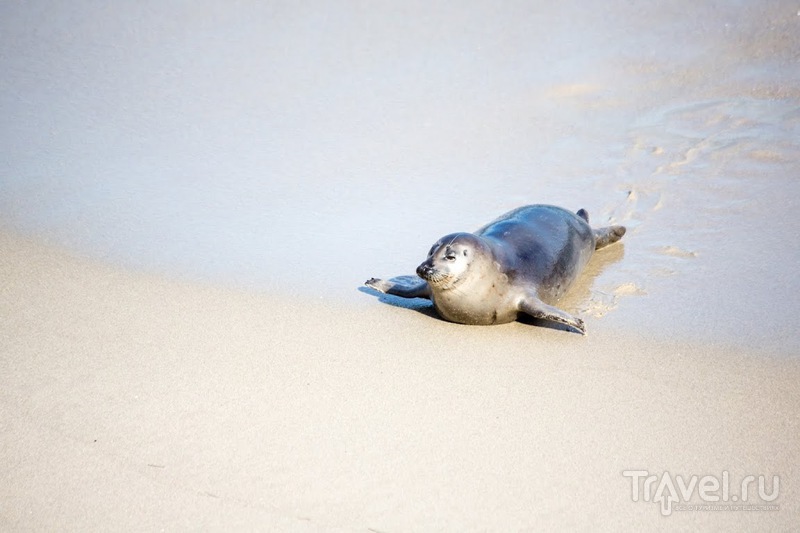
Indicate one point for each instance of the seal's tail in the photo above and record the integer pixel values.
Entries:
(608, 235)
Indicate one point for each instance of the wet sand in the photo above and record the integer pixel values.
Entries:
(191, 197)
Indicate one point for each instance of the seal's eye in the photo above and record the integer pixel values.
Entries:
(465, 252)
(450, 256)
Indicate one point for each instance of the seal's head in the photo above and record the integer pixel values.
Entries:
(450, 259)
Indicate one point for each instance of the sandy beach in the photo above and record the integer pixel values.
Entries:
(131, 403)
(191, 197)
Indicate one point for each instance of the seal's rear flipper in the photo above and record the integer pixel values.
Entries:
(605, 236)
(538, 309)
(584, 214)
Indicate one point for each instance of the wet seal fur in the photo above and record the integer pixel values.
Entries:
(523, 262)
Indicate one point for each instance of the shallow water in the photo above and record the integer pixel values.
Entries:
(305, 149)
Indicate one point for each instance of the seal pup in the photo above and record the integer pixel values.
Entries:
(523, 262)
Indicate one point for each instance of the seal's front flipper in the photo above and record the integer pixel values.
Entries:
(403, 286)
(605, 236)
(538, 309)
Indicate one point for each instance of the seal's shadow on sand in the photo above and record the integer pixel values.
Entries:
(578, 293)
(420, 305)
(425, 307)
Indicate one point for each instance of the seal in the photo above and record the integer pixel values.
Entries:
(523, 262)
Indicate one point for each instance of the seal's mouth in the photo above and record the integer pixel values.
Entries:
(432, 275)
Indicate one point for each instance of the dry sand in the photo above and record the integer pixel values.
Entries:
(133, 403)
(191, 195)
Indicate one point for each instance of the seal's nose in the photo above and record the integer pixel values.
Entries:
(424, 270)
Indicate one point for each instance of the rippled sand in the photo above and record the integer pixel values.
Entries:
(191, 197)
